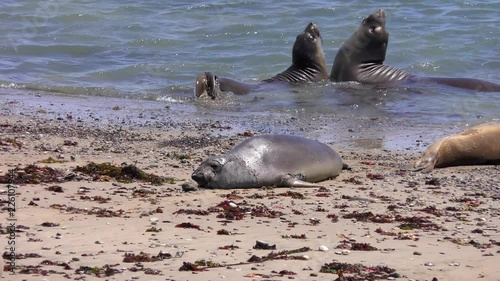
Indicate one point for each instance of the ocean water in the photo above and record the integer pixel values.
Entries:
(154, 50)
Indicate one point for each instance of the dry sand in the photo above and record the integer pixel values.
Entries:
(414, 226)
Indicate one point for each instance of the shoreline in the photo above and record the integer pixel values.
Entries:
(452, 214)
(347, 131)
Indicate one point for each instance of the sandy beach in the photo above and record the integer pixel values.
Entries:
(78, 221)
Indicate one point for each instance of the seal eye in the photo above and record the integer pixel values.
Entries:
(215, 166)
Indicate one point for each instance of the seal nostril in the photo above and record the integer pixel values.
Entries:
(199, 179)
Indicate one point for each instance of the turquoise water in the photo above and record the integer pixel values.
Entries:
(154, 50)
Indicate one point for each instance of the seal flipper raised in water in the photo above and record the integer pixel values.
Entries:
(308, 65)
(361, 59)
(474, 146)
(270, 160)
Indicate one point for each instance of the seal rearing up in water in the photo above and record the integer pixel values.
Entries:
(361, 59)
(308, 65)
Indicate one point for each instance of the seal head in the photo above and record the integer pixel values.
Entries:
(223, 172)
(307, 50)
(366, 47)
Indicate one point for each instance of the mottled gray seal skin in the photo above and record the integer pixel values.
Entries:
(475, 146)
(361, 59)
(308, 65)
(270, 160)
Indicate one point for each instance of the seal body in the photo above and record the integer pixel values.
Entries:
(477, 145)
(361, 59)
(308, 65)
(270, 160)
(361, 56)
(308, 59)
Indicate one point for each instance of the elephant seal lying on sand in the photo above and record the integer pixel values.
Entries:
(361, 59)
(308, 65)
(477, 145)
(270, 160)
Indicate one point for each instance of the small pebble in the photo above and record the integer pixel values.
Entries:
(179, 254)
(454, 264)
(189, 187)
(323, 248)
(428, 264)
(98, 242)
(346, 252)
(417, 253)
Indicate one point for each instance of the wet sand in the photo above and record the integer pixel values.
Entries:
(377, 221)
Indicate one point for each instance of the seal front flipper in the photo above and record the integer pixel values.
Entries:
(291, 181)
(206, 83)
(201, 85)
(423, 164)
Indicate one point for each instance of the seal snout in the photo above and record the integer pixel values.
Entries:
(313, 30)
(380, 15)
(199, 178)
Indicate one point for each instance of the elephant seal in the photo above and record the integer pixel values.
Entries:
(474, 146)
(270, 160)
(308, 65)
(361, 59)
